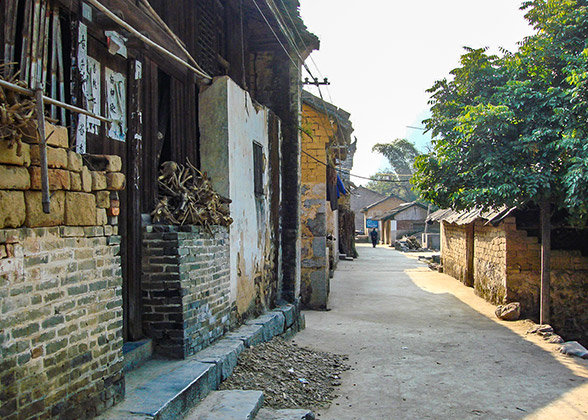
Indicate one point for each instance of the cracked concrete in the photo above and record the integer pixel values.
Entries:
(423, 346)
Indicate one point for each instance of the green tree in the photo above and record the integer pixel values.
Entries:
(510, 130)
(401, 155)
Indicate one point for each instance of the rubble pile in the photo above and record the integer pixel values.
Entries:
(289, 376)
(16, 113)
(186, 197)
(408, 243)
(433, 261)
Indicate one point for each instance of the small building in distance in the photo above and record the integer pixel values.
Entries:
(374, 211)
(405, 219)
(360, 198)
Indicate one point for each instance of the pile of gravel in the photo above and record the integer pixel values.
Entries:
(289, 376)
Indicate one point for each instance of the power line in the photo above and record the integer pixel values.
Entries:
(341, 171)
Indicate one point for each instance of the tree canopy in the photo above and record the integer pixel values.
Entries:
(511, 129)
(401, 155)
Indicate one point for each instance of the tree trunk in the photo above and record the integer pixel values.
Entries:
(545, 213)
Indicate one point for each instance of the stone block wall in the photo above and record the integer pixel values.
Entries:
(61, 322)
(186, 287)
(453, 250)
(81, 194)
(314, 281)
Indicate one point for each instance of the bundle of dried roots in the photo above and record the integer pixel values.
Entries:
(186, 197)
(16, 113)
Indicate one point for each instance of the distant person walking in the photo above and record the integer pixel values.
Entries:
(374, 236)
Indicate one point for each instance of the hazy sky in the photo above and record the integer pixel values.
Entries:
(381, 55)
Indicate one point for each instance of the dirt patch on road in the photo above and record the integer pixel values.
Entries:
(289, 376)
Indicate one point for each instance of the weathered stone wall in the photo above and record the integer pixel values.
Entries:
(489, 262)
(453, 250)
(315, 263)
(186, 287)
(61, 317)
(314, 282)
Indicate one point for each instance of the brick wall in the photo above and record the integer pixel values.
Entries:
(81, 194)
(186, 287)
(61, 317)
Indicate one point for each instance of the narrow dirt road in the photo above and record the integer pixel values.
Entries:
(423, 346)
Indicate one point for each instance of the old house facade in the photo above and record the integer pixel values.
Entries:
(373, 211)
(360, 198)
(326, 133)
(205, 81)
(406, 219)
(498, 254)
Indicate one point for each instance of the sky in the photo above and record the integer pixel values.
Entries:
(382, 55)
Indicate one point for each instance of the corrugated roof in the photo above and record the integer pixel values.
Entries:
(465, 217)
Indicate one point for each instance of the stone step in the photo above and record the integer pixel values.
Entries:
(136, 353)
(228, 405)
(165, 389)
(290, 414)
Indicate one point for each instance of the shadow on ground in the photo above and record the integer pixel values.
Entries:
(422, 345)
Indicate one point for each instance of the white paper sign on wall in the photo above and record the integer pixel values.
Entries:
(116, 104)
(93, 95)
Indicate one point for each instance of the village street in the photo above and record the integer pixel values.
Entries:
(423, 346)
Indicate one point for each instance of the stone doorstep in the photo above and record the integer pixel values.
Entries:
(136, 353)
(167, 389)
(228, 405)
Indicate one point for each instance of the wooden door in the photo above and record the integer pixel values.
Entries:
(117, 81)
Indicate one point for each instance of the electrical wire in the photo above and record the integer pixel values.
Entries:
(290, 38)
(341, 171)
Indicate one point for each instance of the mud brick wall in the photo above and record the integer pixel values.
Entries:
(186, 287)
(569, 284)
(507, 268)
(60, 322)
(453, 250)
(490, 260)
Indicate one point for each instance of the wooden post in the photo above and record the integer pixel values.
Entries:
(46, 198)
(132, 291)
(10, 11)
(25, 56)
(545, 216)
